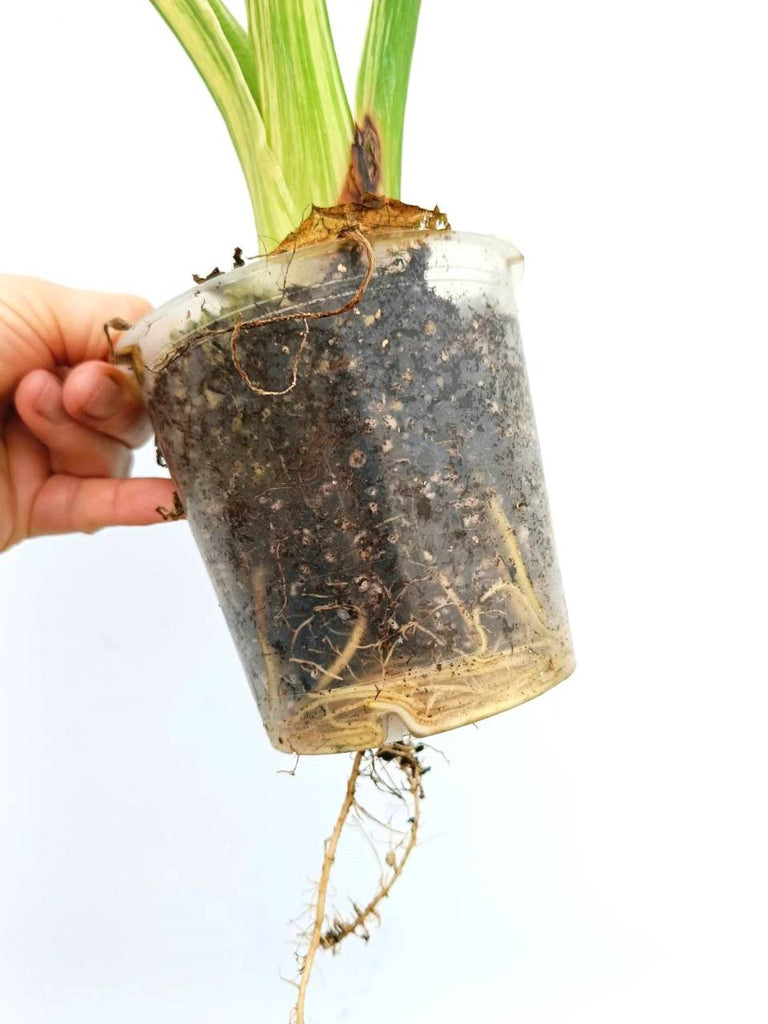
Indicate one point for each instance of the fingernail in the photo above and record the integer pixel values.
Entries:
(105, 401)
(49, 404)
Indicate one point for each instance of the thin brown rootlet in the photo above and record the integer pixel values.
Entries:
(518, 588)
(304, 316)
(276, 318)
(129, 356)
(368, 214)
(329, 935)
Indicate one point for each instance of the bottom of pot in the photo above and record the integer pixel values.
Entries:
(363, 715)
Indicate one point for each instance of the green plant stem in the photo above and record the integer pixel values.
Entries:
(210, 36)
(382, 90)
(304, 106)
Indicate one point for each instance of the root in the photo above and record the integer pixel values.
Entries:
(272, 664)
(521, 606)
(294, 365)
(317, 667)
(482, 646)
(344, 658)
(116, 324)
(128, 356)
(470, 623)
(331, 846)
(457, 689)
(329, 936)
(509, 539)
(405, 756)
(304, 317)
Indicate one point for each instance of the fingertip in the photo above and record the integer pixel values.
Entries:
(161, 498)
(139, 304)
(106, 399)
(70, 504)
(89, 387)
(31, 386)
(134, 502)
(39, 393)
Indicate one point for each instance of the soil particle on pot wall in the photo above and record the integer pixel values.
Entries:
(378, 536)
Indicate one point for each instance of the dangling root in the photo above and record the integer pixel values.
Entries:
(404, 755)
(331, 846)
(130, 356)
(116, 324)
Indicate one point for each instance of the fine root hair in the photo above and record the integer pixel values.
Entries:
(375, 766)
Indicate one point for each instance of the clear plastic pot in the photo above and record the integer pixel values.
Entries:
(366, 490)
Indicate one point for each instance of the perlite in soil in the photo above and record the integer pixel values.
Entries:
(372, 512)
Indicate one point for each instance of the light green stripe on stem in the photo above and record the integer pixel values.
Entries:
(304, 106)
(240, 44)
(208, 33)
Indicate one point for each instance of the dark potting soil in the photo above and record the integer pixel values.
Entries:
(385, 516)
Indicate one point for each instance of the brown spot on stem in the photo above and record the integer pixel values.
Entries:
(364, 174)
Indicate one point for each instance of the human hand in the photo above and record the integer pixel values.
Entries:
(68, 420)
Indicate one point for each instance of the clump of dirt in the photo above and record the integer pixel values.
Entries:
(373, 515)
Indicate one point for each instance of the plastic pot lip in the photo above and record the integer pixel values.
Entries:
(459, 255)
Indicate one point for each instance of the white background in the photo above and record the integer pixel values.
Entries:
(597, 855)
